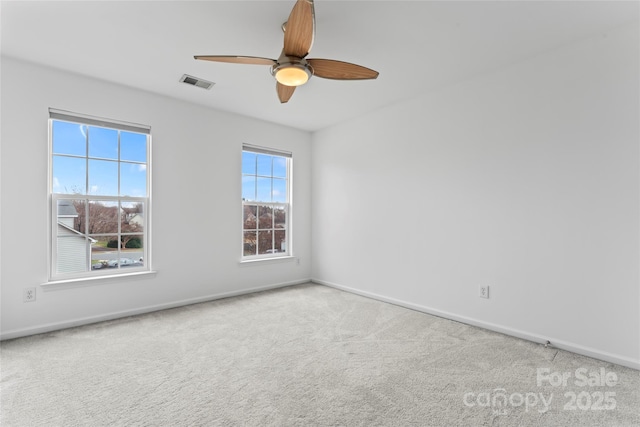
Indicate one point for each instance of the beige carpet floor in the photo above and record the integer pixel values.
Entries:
(306, 355)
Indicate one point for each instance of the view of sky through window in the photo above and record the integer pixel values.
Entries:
(103, 151)
(264, 177)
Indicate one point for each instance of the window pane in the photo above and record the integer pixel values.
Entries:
(103, 178)
(248, 188)
(103, 254)
(72, 245)
(264, 165)
(133, 179)
(280, 167)
(133, 147)
(132, 250)
(280, 240)
(248, 163)
(132, 217)
(265, 242)
(265, 217)
(103, 143)
(250, 218)
(70, 219)
(69, 138)
(280, 218)
(264, 189)
(103, 217)
(279, 192)
(249, 243)
(73, 253)
(69, 175)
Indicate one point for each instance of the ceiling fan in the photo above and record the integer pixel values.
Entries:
(292, 68)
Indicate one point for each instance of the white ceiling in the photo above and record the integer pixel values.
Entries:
(416, 46)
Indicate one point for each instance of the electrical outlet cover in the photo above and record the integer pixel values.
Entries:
(29, 294)
(484, 291)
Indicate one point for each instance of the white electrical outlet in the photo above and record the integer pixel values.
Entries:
(483, 291)
(29, 294)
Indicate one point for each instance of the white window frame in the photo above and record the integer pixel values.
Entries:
(286, 206)
(90, 273)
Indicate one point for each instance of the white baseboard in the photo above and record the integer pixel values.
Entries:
(563, 345)
(560, 344)
(49, 327)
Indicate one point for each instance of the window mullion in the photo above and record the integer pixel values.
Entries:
(255, 189)
(54, 236)
(119, 213)
(274, 209)
(87, 215)
(119, 165)
(86, 157)
(86, 202)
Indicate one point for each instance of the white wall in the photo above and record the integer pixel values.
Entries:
(526, 180)
(196, 200)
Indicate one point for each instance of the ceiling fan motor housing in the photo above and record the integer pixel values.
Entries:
(291, 71)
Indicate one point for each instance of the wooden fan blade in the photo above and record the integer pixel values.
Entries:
(254, 60)
(284, 92)
(299, 29)
(338, 70)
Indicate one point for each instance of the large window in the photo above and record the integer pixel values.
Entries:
(266, 201)
(99, 187)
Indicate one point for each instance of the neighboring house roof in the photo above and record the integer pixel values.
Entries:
(75, 231)
(66, 208)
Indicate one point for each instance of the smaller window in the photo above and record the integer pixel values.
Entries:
(266, 202)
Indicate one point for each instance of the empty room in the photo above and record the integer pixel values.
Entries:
(319, 213)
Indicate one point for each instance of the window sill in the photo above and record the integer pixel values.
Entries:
(258, 261)
(90, 281)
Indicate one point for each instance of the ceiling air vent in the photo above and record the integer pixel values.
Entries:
(194, 81)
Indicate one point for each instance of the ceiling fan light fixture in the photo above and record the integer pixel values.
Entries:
(292, 74)
(292, 68)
